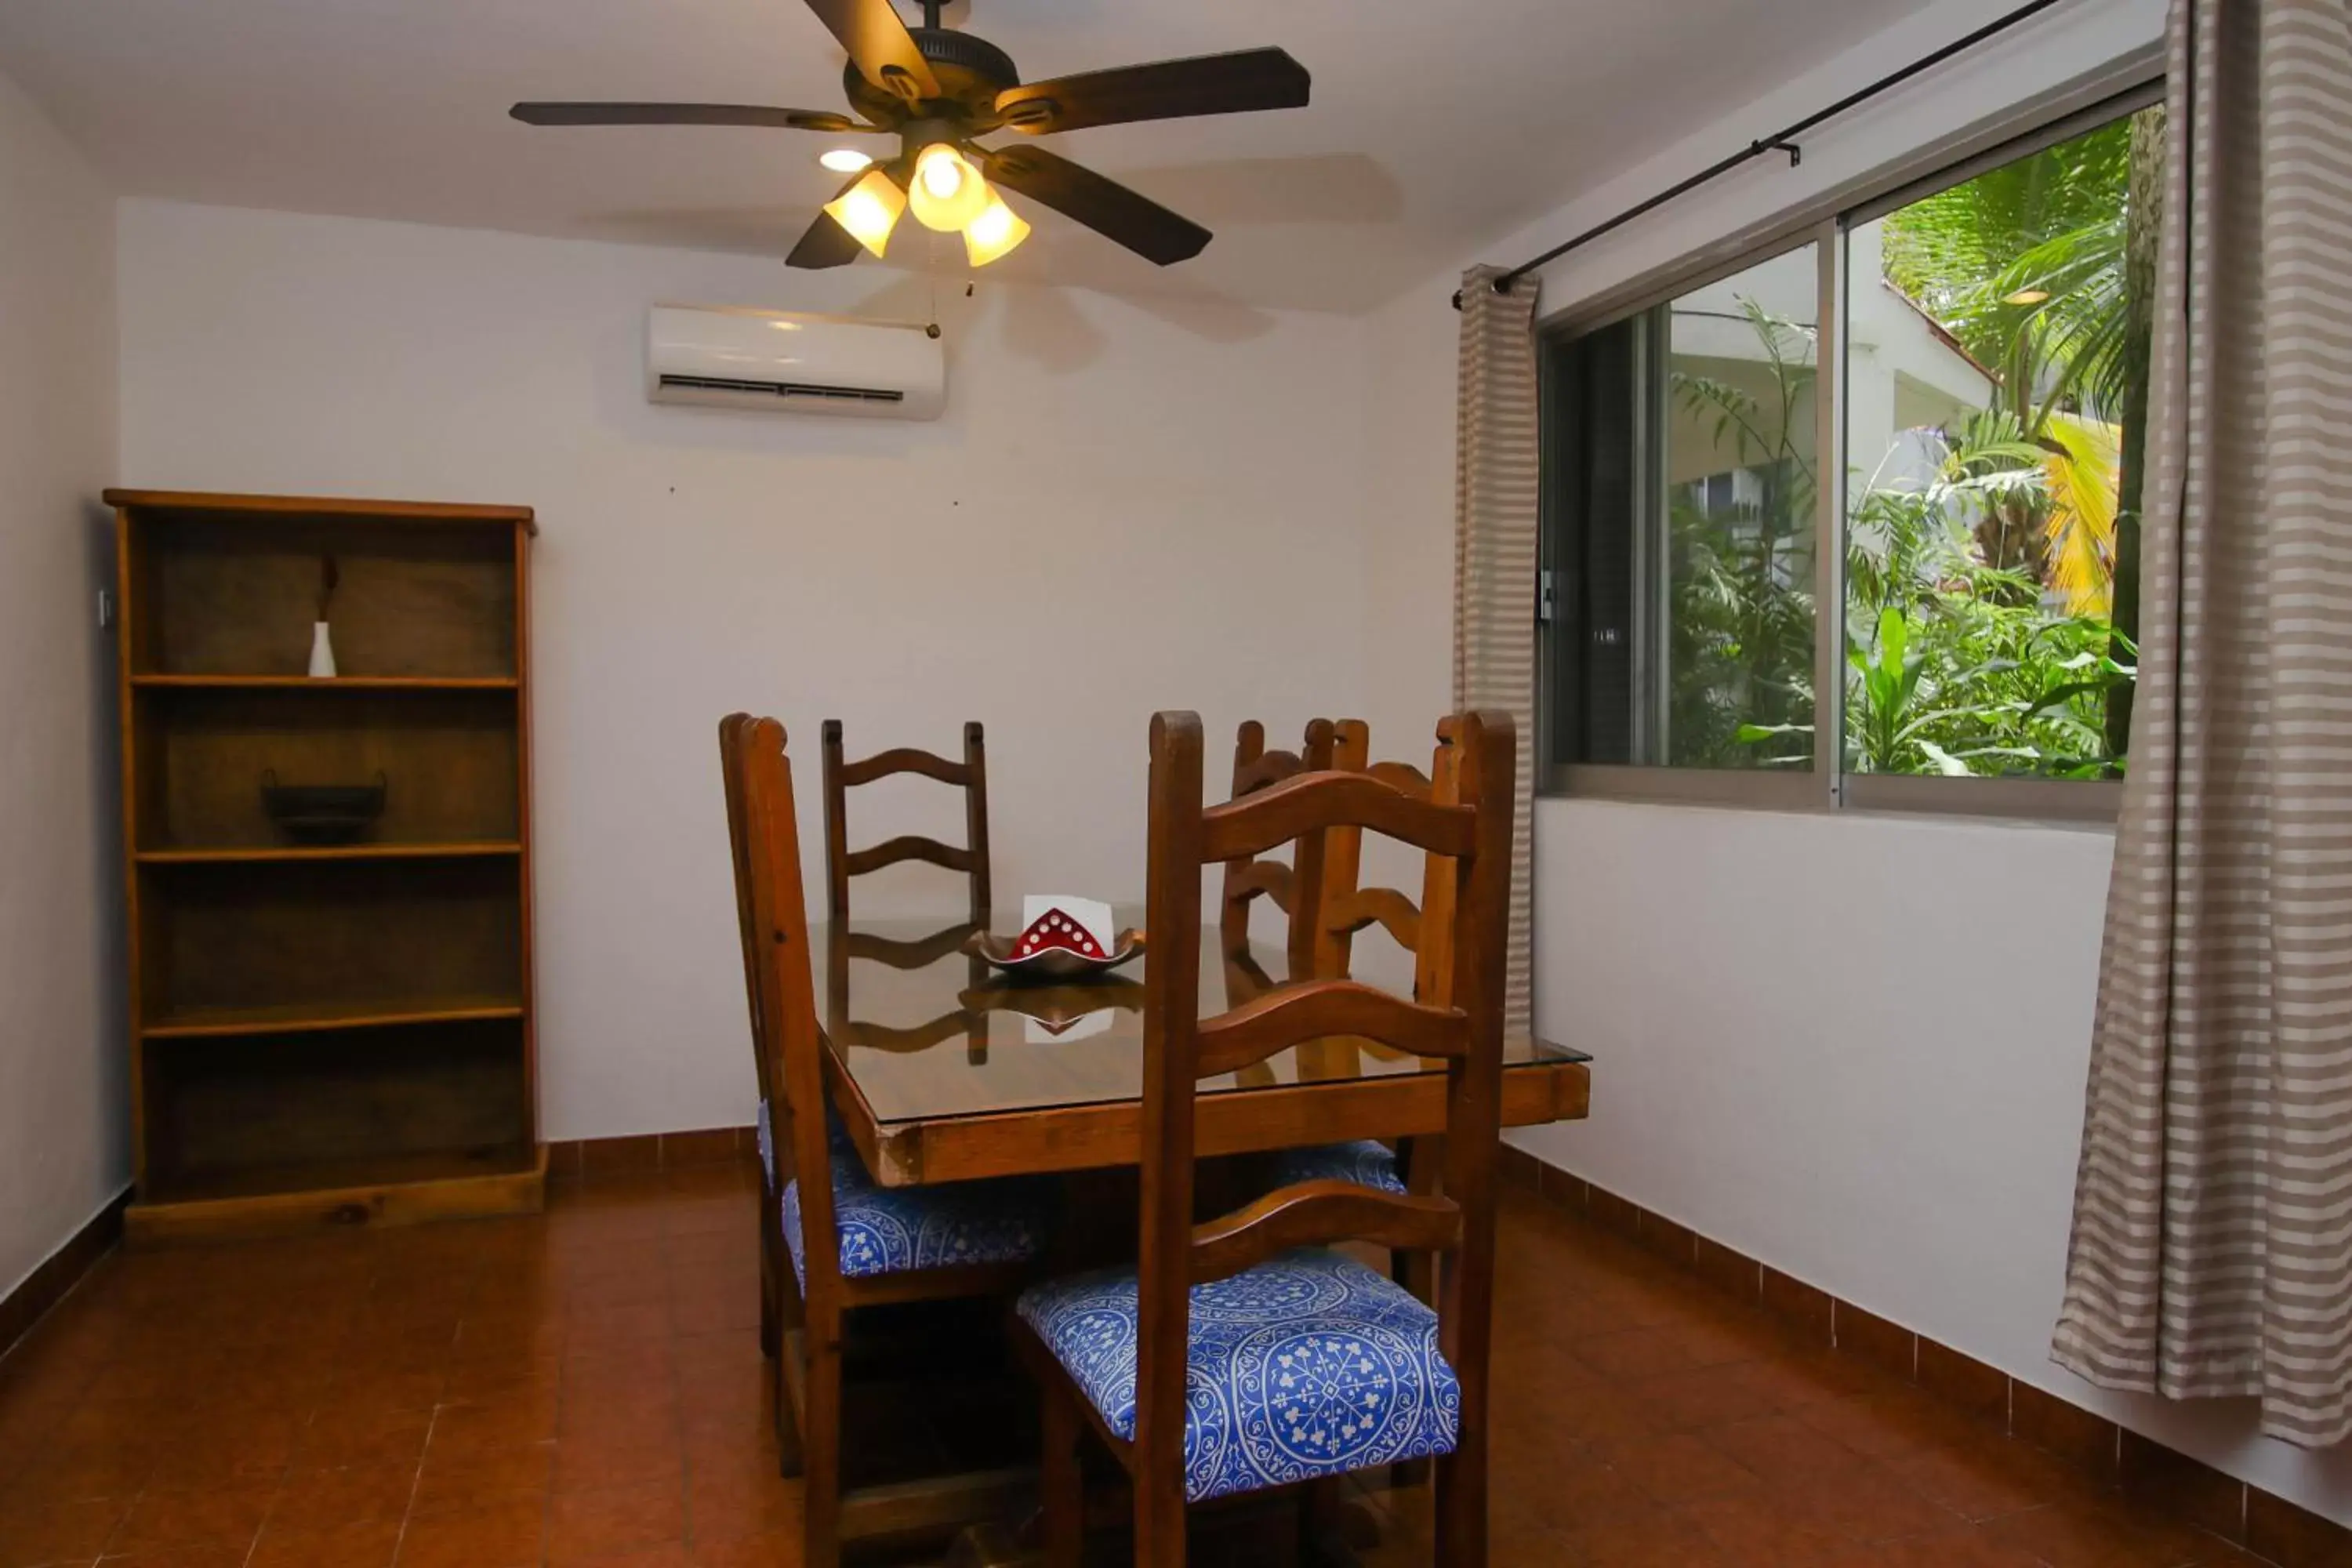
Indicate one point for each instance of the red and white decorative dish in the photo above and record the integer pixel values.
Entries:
(1064, 939)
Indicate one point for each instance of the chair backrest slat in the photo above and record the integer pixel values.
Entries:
(906, 760)
(1313, 1211)
(1400, 776)
(1383, 907)
(1271, 878)
(1464, 827)
(1312, 802)
(970, 775)
(1325, 1009)
(907, 847)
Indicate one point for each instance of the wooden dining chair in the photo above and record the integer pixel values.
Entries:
(1420, 923)
(1243, 1353)
(850, 1243)
(1289, 885)
(970, 775)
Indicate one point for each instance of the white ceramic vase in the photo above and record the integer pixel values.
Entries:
(322, 651)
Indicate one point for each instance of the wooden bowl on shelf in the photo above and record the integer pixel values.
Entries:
(322, 814)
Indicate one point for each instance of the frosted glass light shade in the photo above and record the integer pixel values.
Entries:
(870, 210)
(947, 191)
(996, 232)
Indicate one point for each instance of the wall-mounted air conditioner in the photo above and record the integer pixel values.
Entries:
(731, 358)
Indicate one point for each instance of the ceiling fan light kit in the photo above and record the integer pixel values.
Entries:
(938, 91)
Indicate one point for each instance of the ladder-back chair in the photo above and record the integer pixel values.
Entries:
(970, 775)
(1243, 1353)
(850, 1243)
(1291, 887)
(1422, 925)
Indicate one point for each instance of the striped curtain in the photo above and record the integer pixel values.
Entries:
(1495, 562)
(2211, 1253)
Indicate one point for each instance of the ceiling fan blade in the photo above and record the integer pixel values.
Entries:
(826, 244)
(685, 114)
(1168, 89)
(879, 46)
(1107, 208)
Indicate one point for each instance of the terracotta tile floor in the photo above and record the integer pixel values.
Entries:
(585, 1388)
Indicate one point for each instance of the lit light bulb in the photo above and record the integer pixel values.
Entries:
(845, 160)
(870, 210)
(948, 192)
(995, 232)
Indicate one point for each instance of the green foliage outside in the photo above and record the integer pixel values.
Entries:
(1741, 654)
(1979, 606)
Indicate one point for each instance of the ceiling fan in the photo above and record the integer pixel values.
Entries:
(937, 91)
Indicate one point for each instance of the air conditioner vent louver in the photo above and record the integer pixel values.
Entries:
(782, 388)
(770, 360)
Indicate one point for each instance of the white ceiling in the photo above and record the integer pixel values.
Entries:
(1435, 123)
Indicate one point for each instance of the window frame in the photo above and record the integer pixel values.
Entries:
(1825, 223)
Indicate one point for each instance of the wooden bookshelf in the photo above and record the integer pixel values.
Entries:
(335, 1034)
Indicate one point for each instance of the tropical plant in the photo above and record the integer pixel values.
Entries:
(1741, 638)
(1954, 666)
(2027, 265)
(1959, 661)
(2079, 469)
(2037, 240)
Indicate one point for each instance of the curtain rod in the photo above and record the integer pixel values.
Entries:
(1783, 141)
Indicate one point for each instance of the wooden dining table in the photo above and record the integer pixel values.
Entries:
(945, 1070)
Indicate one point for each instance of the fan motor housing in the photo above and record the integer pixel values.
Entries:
(972, 71)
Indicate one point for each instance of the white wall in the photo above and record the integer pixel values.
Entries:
(1854, 1046)
(1128, 506)
(64, 1145)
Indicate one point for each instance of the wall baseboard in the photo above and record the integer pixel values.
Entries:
(50, 1283)
(570, 1161)
(2185, 1489)
(587, 1158)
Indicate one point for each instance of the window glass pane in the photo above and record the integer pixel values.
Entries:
(1735, 592)
(1680, 477)
(1996, 382)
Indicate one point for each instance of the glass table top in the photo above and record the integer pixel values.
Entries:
(945, 1035)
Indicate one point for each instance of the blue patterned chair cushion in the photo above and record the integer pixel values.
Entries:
(1367, 1162)
(1308, 1364)
(889, 1230)
(836, 1138)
